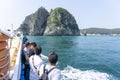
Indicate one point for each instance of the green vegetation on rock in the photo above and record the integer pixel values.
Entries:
(61, 22)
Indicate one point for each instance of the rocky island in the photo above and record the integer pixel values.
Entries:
(57, 22)
(100, 31)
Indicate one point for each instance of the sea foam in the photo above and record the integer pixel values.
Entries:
(70, 73)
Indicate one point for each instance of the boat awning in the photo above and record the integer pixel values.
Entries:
(4, 35)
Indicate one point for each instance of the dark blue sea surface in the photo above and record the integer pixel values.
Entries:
(84, 57)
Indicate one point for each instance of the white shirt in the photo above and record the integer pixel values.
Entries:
(55, 74)
(37, 63)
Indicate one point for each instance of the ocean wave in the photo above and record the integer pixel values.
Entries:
(70, 73)
(44, 57)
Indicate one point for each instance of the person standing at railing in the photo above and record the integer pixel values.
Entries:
(35, 62)
(28, 52)
(49, 71)
(27, 67)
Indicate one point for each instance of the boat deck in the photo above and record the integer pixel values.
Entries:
(15, 59)
(13, 52)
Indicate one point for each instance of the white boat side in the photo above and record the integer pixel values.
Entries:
(17, 68)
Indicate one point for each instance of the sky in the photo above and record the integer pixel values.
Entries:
(88, 13)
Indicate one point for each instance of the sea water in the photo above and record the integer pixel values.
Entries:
(84, 57)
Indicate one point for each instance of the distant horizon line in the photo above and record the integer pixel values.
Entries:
(99, 28)
(79, 28)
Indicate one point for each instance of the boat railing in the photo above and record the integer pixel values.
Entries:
(17, 68)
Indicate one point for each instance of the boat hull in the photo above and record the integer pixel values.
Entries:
(3, 45)
(3, 37)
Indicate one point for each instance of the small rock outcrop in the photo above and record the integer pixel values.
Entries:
(61, 23)
(35, 24)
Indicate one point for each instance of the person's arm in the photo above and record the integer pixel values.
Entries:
(37, 63)
(26, 56)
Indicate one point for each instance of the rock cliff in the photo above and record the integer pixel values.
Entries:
(35, 24)
(59, 22)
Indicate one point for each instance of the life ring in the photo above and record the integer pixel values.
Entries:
(4, 70)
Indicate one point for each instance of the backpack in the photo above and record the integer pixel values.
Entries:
(45, 73)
